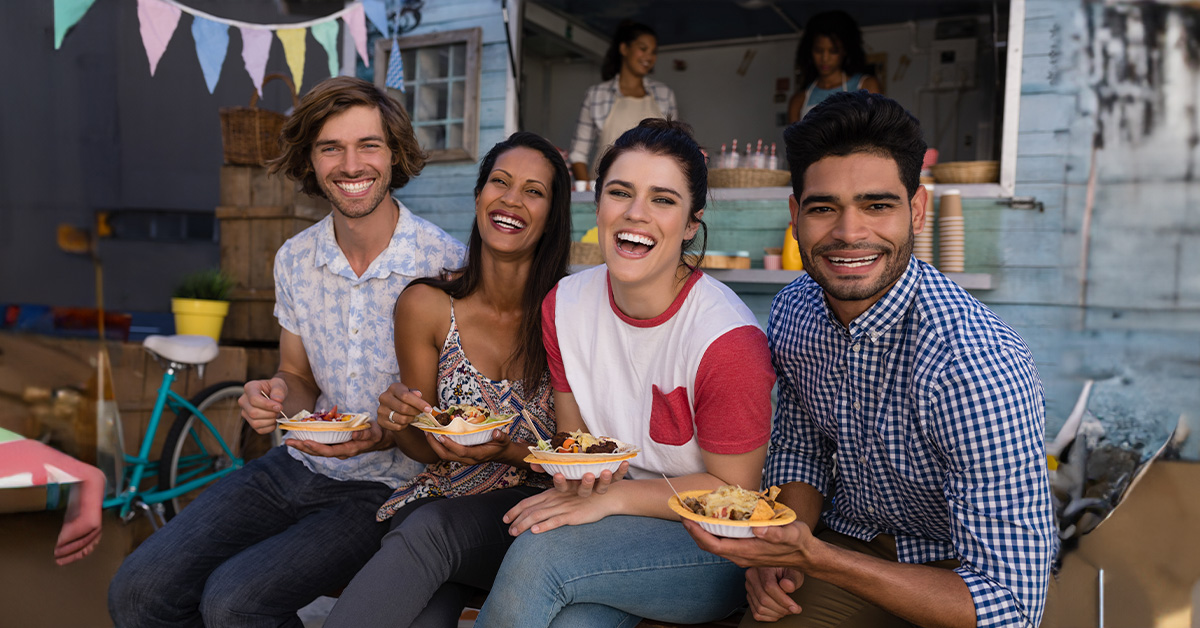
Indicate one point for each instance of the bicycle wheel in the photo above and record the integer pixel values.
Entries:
(192, 450)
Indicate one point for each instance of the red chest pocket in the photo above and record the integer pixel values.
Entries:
(671, 417)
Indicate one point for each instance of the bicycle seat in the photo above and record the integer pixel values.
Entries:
(184, 349)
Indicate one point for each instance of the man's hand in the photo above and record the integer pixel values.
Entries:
(361, 441)
(789, 546)
(589, 483)
(767, 590)
(399, 405)
(259, 411)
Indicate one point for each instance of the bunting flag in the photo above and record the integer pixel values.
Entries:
(356, 25)
(395, 70)
(326, 34)
(157, 21)
(377, 12)
(256, 45)
(295, 41)
(212, 40)
(66, 14)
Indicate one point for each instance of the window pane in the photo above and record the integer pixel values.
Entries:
(434, 63)
(409, 57)
(432, 137)
(458, 90)
(455, 137)
(432, 102)
(459, 60)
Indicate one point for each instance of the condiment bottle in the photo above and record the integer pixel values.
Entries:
(791, 251)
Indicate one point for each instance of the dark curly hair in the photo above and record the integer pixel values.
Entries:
(848, 123)
(843, 30)
(329, 98)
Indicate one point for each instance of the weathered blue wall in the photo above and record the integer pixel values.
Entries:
(443, 192)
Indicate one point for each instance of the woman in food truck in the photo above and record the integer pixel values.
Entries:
(829, 59)
(625, 97)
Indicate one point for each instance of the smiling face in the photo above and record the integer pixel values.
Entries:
(855, 228)
(514, 204)
(638, 56)
(352, 161)
(643, 218)
(828, 56)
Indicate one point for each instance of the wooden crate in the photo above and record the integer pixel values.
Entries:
(251, 317)
(250, 237)
(254, 186)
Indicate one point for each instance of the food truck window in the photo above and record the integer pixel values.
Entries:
(955, 65)
(441, 89)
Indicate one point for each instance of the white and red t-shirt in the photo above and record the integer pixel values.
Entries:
(698, 376)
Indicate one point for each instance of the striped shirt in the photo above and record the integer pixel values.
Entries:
(933, 411)
(598, 102)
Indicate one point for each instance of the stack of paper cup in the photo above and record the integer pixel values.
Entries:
(923, 242)
(950, 233)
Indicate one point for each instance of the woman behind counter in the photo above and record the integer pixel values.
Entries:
(829, 59)
(624, 98)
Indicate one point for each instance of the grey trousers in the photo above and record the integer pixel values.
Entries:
(438, 553)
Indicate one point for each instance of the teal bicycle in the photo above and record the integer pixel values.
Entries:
(205, 443)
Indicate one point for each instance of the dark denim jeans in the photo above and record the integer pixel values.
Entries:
(253, 549)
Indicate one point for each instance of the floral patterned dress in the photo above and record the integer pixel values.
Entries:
(460, 383)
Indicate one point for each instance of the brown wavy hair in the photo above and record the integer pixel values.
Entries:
(329, 98)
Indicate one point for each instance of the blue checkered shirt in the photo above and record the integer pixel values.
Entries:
(598, 103)
(933, 410)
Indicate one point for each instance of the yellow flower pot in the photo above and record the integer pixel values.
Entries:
(199, 317)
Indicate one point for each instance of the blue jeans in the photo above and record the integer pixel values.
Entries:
(438, 553)
(251, 550)
(611, 573)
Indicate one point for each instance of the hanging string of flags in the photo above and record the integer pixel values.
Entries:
(158, 20)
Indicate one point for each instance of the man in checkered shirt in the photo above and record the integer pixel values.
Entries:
(906, 407)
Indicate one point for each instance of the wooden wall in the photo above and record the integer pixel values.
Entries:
(443, 192)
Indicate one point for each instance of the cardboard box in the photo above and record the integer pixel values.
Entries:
(1149, 551)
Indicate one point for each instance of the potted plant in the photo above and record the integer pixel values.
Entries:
(200, 303)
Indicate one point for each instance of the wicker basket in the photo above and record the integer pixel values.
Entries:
(249, 135)
(747, 178)
(967, 172)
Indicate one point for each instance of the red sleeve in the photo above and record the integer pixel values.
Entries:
(558, 376)
(733, 393)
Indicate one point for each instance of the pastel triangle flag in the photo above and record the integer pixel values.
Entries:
(256, 46)
(212, 41)
(356, 25)
(377, 13)
(395, 70)
(66, 14)
(326, 34)
(157, 21)
(294, 44)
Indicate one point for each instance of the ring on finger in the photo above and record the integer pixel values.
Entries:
(390, 419)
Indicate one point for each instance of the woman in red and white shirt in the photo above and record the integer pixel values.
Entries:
(649, 350)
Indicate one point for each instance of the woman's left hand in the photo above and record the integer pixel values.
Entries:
(551, 509)
(494, 450)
